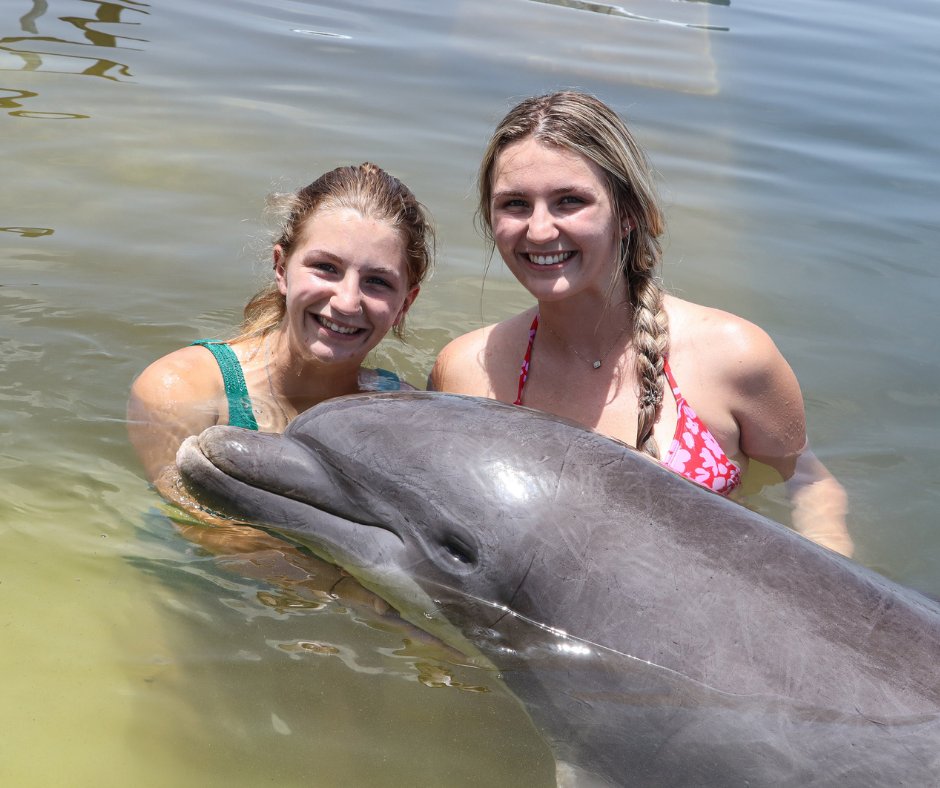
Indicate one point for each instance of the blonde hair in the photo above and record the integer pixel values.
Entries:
(582, 123)
(370, 191)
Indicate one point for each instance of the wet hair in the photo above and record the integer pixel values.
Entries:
(583, 124)
(370, 191)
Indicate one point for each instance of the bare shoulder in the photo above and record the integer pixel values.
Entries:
(460, 365)
(187, 374)
(484, 362)
(731, 346)
(734, 369)
(176, 396)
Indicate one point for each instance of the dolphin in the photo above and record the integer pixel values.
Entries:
(656, 633)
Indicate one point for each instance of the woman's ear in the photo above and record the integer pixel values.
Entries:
(626, 227)
(409, 300)
(280, 268)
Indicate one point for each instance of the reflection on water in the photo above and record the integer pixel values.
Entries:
(58, 54)
(616, 10)
(322, 33)
(300, 693)
(28, 232)
(624, 49)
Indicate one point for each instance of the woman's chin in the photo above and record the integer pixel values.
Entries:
(339, 353)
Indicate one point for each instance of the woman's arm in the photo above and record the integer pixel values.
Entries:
(769, 409)
(820, 504)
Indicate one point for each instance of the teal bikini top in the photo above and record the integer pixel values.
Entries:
(240, 413)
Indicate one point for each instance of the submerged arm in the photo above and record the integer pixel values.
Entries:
(772, 420)
(819, 503)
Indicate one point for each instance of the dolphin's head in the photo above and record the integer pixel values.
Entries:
(457, 495)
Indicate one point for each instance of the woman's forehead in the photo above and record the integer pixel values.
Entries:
(347, 234)
(530, 161)
(532, 149)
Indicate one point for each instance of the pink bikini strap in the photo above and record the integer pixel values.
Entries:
(524, 369)
(671, 379)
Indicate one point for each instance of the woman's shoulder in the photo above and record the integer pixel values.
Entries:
(730, 368)
(481, 361)
(505, 332)
(179, 394)
(189, 373)
(711, 333)
(723, 352)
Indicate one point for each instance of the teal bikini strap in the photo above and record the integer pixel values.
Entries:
(240, 413)
(386, 381)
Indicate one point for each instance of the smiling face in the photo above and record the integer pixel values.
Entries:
(553, 220)
(345, 283)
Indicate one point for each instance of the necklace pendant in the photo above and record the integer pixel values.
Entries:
(597, 364)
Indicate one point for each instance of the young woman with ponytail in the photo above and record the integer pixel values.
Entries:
(349, 255)
(567, 197)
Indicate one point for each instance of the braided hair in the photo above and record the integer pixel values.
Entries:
(582, 123)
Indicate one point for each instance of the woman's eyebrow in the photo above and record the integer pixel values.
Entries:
(313, 255)
(320, 254)
(381, 268)
(554, 192)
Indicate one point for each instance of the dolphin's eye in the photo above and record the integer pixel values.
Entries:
(457, 550)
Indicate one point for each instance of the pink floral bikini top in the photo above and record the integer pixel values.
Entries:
(693, 453)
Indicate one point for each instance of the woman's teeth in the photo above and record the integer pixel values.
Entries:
(549, 259)
(324, 321)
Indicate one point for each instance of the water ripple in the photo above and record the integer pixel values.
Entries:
(616, 10)
(323, 33)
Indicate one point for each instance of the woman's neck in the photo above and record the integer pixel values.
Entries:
(591, 325)
(298, 383)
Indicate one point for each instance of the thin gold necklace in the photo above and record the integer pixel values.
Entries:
(596, 363)
(267, 372)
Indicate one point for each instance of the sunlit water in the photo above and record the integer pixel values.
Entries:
(799, 149)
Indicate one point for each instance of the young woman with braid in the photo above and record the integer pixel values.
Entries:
(567, 197)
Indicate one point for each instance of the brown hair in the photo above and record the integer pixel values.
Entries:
(582, 123)
(367, 189)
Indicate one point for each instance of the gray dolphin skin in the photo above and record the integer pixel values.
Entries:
(656, 633)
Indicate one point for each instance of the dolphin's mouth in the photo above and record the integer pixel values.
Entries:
(287, 492)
